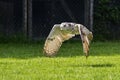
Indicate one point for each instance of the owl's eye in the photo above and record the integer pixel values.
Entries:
(69, 24)
(64, 26)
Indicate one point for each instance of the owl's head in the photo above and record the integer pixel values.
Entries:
(69, 27)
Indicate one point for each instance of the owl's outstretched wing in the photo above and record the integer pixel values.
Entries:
(86, 37)
(55, 39)
(65, 31)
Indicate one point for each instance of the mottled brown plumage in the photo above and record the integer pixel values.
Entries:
(65, 31)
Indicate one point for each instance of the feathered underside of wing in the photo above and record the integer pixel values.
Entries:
(54, 40)
(86, 37)
(52, 45)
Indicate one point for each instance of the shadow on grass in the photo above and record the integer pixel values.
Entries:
(96, 65)
(100, 65)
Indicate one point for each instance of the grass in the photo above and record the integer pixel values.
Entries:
(20, 61)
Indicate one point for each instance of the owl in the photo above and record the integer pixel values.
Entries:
(65, 31)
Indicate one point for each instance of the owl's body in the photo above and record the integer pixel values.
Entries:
(65, 31)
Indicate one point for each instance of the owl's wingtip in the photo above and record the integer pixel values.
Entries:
(87, 56)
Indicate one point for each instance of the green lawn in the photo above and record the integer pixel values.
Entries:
(26, 62)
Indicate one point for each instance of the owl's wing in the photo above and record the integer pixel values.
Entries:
(55, 39)
(86, 37)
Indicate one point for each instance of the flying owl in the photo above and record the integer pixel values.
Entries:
(65, 31)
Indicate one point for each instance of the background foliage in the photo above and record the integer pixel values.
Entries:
(106, 19)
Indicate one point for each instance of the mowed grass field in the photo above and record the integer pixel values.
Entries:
(25, 61)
